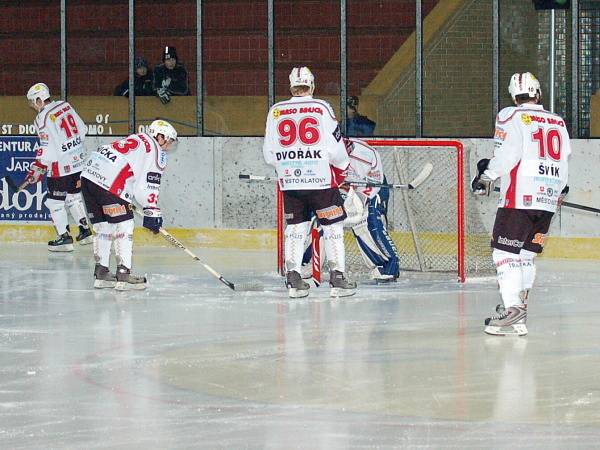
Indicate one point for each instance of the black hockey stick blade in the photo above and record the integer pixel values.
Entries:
(247, 177)
(570, 205)
(12, 186)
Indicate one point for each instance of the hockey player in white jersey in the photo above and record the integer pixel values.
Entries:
(115, 176)
(370, 228)
(61, 156)
(531, 154)
(304, 143)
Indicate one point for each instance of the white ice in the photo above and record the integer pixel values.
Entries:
(191, 364)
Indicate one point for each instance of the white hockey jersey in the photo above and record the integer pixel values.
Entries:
(302, 140)
(61, 132)
(531, 154)
(131, 168)
(365, 167)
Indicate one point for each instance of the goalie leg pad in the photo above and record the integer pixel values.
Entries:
(102, 242)
(58, 213)
(74, 203)
(375, 244)
(333, 241)
(123, 236)
(509, 275)
(295, 237)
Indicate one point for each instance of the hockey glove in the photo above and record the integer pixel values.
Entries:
(153, 219)
(36, 172)
(562, 196)
(338, 176)
(163, 95)
(482, 184)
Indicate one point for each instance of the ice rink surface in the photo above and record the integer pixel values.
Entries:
(189, 363)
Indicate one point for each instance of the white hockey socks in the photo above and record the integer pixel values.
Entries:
(74, 203)
(510, 277)
(102, 241)
(333, 241)
(295, 236)
(124, 242)
(528, 269)
(58, 213)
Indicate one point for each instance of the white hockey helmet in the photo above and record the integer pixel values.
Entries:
(302, 76)
(38, 90)
(166, 129)
(524, 84)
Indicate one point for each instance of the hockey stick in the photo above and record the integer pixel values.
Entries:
(234, 287)
(416, 182)
(570, 205)
(12, 186)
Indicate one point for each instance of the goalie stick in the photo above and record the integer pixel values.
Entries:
(233, 286)
(570, 205)
(416, 182)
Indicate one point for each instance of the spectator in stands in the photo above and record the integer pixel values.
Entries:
(170, 77)
(357, 125)
(142, 81)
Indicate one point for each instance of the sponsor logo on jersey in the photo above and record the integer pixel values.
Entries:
(333, 212)
(305, 180)
(60, 112)
(276, 113)
(43, 136)
(546, 200)
(550, 192)
(337, 133)
(114, 210)
(527, 199)
(510, 242)
(500, 134)
(71, 144)
(528, 119)
(92, 173)
(539, 238)
(67, 169)
(298, 154)
(297, 172)
(153, 177)
(510, 261)
(52, 117)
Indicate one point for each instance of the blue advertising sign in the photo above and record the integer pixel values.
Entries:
(16, 153)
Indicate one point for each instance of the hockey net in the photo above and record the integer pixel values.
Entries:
(435, 227)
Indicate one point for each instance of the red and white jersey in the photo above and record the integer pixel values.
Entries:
(61, 132)
(302, 140)
(131, 168)
(532, 148)
(365, 167)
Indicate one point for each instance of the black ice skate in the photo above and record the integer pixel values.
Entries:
(63, 243)
(297, 287)
(340, 286)
(85, 235)
(510, 321)
(128, 282)
(103, 278)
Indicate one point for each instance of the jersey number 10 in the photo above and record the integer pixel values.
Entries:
(549, 144)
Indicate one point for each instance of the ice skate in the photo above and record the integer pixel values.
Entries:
(340, 286)
(128, 282)
(380, 277)
(510, 321)
(103, 278)
(85, 235)
(63, 243)
(297, 288)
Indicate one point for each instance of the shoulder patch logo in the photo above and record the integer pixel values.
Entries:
(526, 119)
(276, 113)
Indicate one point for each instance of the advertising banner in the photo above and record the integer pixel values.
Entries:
(16, 154)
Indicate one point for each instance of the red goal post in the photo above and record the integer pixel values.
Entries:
(427, 224)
